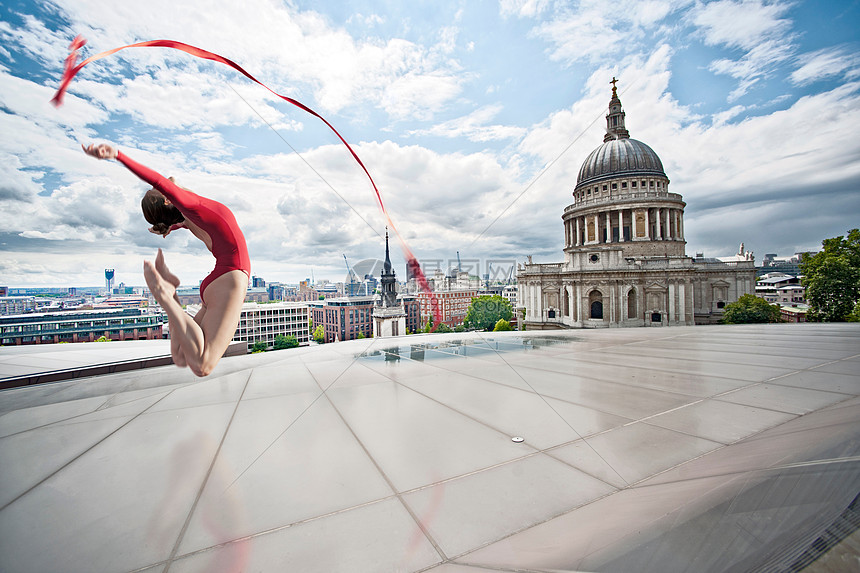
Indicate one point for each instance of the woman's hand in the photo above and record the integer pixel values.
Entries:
(100, 151)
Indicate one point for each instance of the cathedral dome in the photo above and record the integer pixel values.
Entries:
(619, 157)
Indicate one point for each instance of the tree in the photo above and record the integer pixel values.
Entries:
(288, 341)
(319, 334)
(486, 310)
(750, 309)
(361, 335)
(259, 346)
(501, 325)
(832, 279)
(443, 328)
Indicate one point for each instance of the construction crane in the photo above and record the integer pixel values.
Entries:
(349, 273)
(459, 264)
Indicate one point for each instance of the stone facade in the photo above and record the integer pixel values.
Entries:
(624, 250)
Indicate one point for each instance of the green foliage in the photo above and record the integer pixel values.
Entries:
(319, 334)
(855, 314)
(102, 338)
(485, 311)
(750, 309)
(444, 328)
(288, 341)
(360, 335)
(832, 279)
(429, 326)
(459, 328)
(259, 346)
(501, 325)
(322, 297)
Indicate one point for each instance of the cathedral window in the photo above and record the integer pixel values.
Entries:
(604, 187)
(615, 185)
(651, 183)
(624, 184)
(633, 184)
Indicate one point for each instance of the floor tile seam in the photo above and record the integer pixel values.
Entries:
(749, 438)
(716, 360)
(461, 413)
(691, 345)
(533, 525)
(60, 421)
(655, 370)
(831, 362)
(678, 371)
(775, 383)
(688, 434)
(579, 435)
(77, 457)
(431, 485)
(771, 408)
(318, 395)
(481, 567)
(205, 480)
(277, 529)
(556, 457)
(850, 424)
(68, 422)
(778, 466)
(388, 481)
(563, 419)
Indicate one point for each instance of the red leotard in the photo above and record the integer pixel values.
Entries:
(228, 243)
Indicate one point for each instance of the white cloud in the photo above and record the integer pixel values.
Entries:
(756, 27)
(283, 47)
(522, 8)
(474, 127)
(741, 23)
(595, 30)
(827, 63)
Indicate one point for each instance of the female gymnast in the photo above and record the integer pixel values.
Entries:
(197, 342)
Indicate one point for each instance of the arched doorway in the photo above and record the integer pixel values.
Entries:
(631, 303)
(595, 303)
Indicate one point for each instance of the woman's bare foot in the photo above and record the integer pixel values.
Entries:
(162, 269)
(160, 288)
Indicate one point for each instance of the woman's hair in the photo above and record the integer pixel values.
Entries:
(159, 215)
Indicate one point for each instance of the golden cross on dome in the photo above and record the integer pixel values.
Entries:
(613, 82)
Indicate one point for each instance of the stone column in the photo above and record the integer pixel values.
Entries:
(578, 303)
(682, 304)
(671, 308)
(577, 232)
(659, 224)
(621, 225)
(647, 224)
(681, 226)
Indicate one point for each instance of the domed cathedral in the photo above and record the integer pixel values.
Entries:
(624, 257)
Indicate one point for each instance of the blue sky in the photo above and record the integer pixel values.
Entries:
(457, 109)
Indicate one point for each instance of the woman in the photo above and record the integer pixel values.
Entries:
(197, 342)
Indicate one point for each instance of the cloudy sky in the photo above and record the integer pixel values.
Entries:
(473, 117)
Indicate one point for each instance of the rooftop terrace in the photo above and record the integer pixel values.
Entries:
(727, 448)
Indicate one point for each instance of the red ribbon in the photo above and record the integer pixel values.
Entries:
(71, 70)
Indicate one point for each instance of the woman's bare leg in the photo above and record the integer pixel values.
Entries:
(202, 344)
(175, 349)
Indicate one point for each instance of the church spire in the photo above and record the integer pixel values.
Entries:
(386, 267)
(615, 118)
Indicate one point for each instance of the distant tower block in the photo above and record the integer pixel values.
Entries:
(109, 280)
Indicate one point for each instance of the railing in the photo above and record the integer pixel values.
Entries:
(543, 268)
(625, 197)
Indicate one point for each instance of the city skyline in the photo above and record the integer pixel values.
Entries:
(473, 119)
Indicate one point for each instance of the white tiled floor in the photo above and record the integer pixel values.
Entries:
(672, 449)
